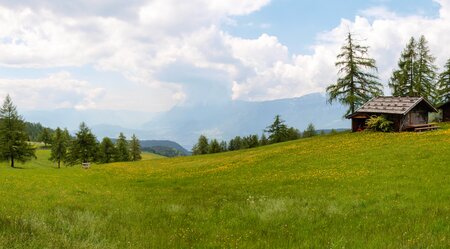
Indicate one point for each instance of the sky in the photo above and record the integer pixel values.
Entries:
(153, 55)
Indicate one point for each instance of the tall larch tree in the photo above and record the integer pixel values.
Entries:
(444, 83)
(416, 73)
(83, 148)
(14, 144)
(426, 73)
(60, 144)
(122, 149)
(402, 79)
(278, 130)
(357, 82)
(135, 148)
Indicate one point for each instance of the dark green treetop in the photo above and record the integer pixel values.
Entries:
(250, 141)
(235, 144)
(416, 73)
(278, 130)
(106, 151)
(201, 147)
(425, 78)
(214, 147)
(402, 79)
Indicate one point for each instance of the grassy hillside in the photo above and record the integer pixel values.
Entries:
(150, 156)
(365, 190)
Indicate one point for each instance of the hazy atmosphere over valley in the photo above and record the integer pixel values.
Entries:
(167, 69)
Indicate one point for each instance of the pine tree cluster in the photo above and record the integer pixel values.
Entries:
(84, 148)
(416, 75)
(277, 132)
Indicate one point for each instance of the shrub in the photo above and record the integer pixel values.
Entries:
(379, 123)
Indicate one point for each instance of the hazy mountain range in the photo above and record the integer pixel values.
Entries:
(184, 124)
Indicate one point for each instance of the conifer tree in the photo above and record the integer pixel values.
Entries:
(402, 79)
(135, 149)
(250, 141)
(13, 136)
(122, 149)
(310, 131)
(59, 147)
(235, 144)
(223, 146)
(293, 133)
(214, 147)
(202, 146)
(107, 151)
(278, 130)
(444, 83)
(357, 82)
(83, 148)
(425, 78)
(416, 73)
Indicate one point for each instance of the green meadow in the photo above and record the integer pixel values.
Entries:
(349, 190)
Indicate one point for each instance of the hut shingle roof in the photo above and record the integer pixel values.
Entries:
(392, 105)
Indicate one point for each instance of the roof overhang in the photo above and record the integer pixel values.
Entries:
(431, 106)
(363, 110)
(358, 115)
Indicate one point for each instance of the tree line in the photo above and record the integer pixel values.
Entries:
(36, 132)
(71, 150)
(84, 148)
(416, 75)
(277, 132)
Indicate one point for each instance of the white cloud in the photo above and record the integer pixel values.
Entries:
(382, 30)
(62, 90)
(445, 8)
(147, 38)
(165, 32)
(58, 90)
(258, 53)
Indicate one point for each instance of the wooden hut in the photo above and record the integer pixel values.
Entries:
(445, 111)
(407, 113)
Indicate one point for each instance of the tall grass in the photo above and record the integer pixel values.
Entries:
(363, 190)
